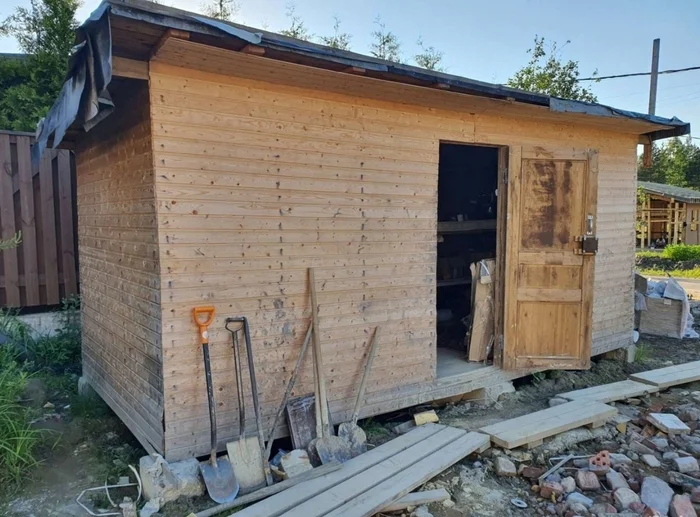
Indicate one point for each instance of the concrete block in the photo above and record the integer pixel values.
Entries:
(169, 481)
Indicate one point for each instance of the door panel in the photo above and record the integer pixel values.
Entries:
(549, 282)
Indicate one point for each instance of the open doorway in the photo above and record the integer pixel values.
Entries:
(466, 256)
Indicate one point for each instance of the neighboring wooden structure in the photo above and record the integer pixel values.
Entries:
(228, 168)
(669, 213)
(39, 202)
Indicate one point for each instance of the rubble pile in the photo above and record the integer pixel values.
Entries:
(649, 468)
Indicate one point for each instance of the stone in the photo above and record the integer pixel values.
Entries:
(685, 465)
(670, 455)
(569, 484)
(577, 509)
(557, 401)
(587, 480)
(168, 481)
(651, 460)
(668, 423)
(448, 503)
(551, 488)
(128, 507)
(577, 497)
(505, 467)
(650, 512)
(660, 444)
(624, 497)
(695, 495)
(421, 511)
(617, 458)
(683, 480)
(682, 507)
(616, 480)
(656, 493)
(633, 455)
(295, 462)
(602, 508)
(640, 448)
(151, 507)
(690, 414)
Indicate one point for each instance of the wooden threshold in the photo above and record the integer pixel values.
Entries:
(670, 376)
(611, 392)
(533, 428)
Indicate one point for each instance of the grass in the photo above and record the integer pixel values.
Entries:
(642, 353)
(23, 357)
(374, 429)
(675, 273)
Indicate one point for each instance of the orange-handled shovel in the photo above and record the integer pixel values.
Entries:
(218, 475)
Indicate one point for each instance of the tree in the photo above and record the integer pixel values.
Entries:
(386, 44)
(339, 40)
(222, 9)
(45, 31)
(677, 162)
(296, 29)
(547, 72)
(429, 57)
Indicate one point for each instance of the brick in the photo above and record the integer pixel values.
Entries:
(587, 480)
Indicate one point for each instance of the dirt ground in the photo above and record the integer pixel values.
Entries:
(89, 450)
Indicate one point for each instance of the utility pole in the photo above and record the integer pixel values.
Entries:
(653, 83)
(654, 76)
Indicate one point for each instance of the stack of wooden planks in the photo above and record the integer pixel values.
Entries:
(530, 430)
(670, 376)
(372, 481)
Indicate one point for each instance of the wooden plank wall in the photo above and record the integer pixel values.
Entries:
(257, 181)
(119, 264)
(39, 202)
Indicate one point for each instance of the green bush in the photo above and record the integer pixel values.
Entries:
(681, 252)
(61, 351)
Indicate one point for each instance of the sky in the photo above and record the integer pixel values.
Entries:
(488, 40)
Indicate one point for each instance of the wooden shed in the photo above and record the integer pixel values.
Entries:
(667, 212)
(234, 159)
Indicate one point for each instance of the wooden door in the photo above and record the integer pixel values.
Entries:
(552, 202)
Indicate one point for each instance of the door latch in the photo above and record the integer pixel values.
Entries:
(589, 242)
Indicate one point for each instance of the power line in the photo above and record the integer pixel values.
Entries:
(638, 74)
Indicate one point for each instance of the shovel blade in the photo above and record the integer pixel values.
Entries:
(354, 436)
(220, 480)
(332, 448)
(246, 458)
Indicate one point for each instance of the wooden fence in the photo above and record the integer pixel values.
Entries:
(39, 202)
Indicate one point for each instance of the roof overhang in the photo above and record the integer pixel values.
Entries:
(139, 31)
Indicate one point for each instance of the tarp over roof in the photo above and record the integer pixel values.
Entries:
(687, 195)
(172, 18)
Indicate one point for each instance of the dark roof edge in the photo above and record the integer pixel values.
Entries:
(687, 195)
(184, 20)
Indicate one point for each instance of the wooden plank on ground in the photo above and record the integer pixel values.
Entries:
(289, 499)
(49, 229)
(548, 422)
(29, 242)
(394, 488)
(65, 196)
(7, 224)
(671, 375)
(354, 487)
(417, 499)
(611, 392)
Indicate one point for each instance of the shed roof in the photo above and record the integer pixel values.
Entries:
(687, 195)
(138, 26)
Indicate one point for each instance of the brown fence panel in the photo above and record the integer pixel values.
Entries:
(39, 202)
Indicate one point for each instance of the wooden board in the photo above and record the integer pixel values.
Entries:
(611, 392)
(288, 500)
(482, 329)
(301, 418)
(349, 491)
(417, 499)
(548, 422)
(406, 480)
(671, 375)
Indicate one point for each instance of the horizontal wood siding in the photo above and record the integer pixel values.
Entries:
(258, 181)
(117, 238)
